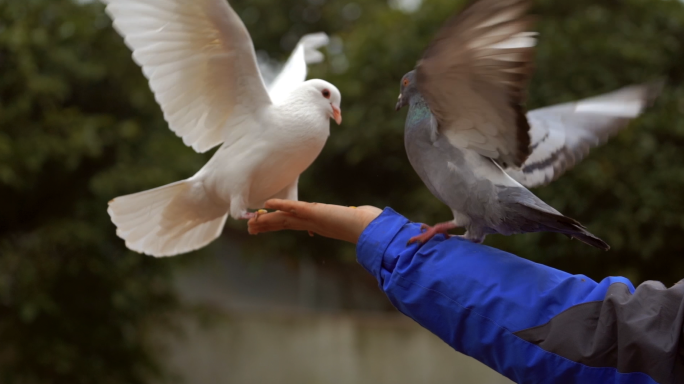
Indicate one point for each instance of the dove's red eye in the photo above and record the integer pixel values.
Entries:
(326, 93)
(406, 82)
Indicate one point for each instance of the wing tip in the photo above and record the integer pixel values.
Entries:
(315, 40)
(653, 89)
(311, 43)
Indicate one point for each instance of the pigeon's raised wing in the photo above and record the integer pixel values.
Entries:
(294, 71)
(563, 134)
(474, 74)
(200, 63)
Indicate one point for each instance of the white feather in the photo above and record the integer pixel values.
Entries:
(294, 71)
(200, 62)
(151, 224)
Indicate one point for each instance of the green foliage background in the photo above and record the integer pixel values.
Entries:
(79, 126)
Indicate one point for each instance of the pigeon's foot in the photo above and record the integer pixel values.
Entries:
(430, 232)
(253, 215)
(473, 237)
(475, 240)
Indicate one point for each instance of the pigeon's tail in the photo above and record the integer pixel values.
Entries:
(549, 220)
(168, 220)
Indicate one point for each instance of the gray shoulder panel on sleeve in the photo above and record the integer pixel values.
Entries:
(640, 332)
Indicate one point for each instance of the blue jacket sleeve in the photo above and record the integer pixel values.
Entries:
(480, 301)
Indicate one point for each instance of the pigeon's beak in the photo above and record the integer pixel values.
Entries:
(337, 114)
(400, 103)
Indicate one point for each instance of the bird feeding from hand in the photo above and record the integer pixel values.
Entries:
(468, 138)
(200, 63)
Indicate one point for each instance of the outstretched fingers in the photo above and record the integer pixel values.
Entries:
(277, 221)
(298, 208)
(317, 213)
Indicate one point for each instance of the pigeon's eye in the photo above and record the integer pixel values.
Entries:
(326, 93)
(405, 82)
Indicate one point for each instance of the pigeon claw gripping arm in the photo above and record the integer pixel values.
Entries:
(430, 232)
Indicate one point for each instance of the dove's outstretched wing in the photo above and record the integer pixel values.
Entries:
(294, 71)
(474, 75)
(200, 63)
(563, 134)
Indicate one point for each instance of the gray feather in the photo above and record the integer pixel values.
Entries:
(526, 213)
(474, 75)
(562, 135)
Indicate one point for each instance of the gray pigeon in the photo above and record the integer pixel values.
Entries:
(470, 141)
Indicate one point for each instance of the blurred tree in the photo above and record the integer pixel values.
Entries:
(79, 126)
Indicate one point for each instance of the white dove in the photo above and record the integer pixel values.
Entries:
(201, 65)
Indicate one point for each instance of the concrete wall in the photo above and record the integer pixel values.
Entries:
(292, 321)
(317, 348)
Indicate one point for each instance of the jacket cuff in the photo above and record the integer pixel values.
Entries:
(375, 239)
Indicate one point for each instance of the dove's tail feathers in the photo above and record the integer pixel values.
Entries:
(549, 220)
(166, 221)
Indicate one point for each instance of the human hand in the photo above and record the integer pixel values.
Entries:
(333, 221)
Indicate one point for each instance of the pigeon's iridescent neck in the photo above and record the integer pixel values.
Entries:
(418, 110)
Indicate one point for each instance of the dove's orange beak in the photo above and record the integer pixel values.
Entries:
(337, 115)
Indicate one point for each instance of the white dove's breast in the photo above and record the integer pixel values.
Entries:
(293, 147)
(264, 162)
